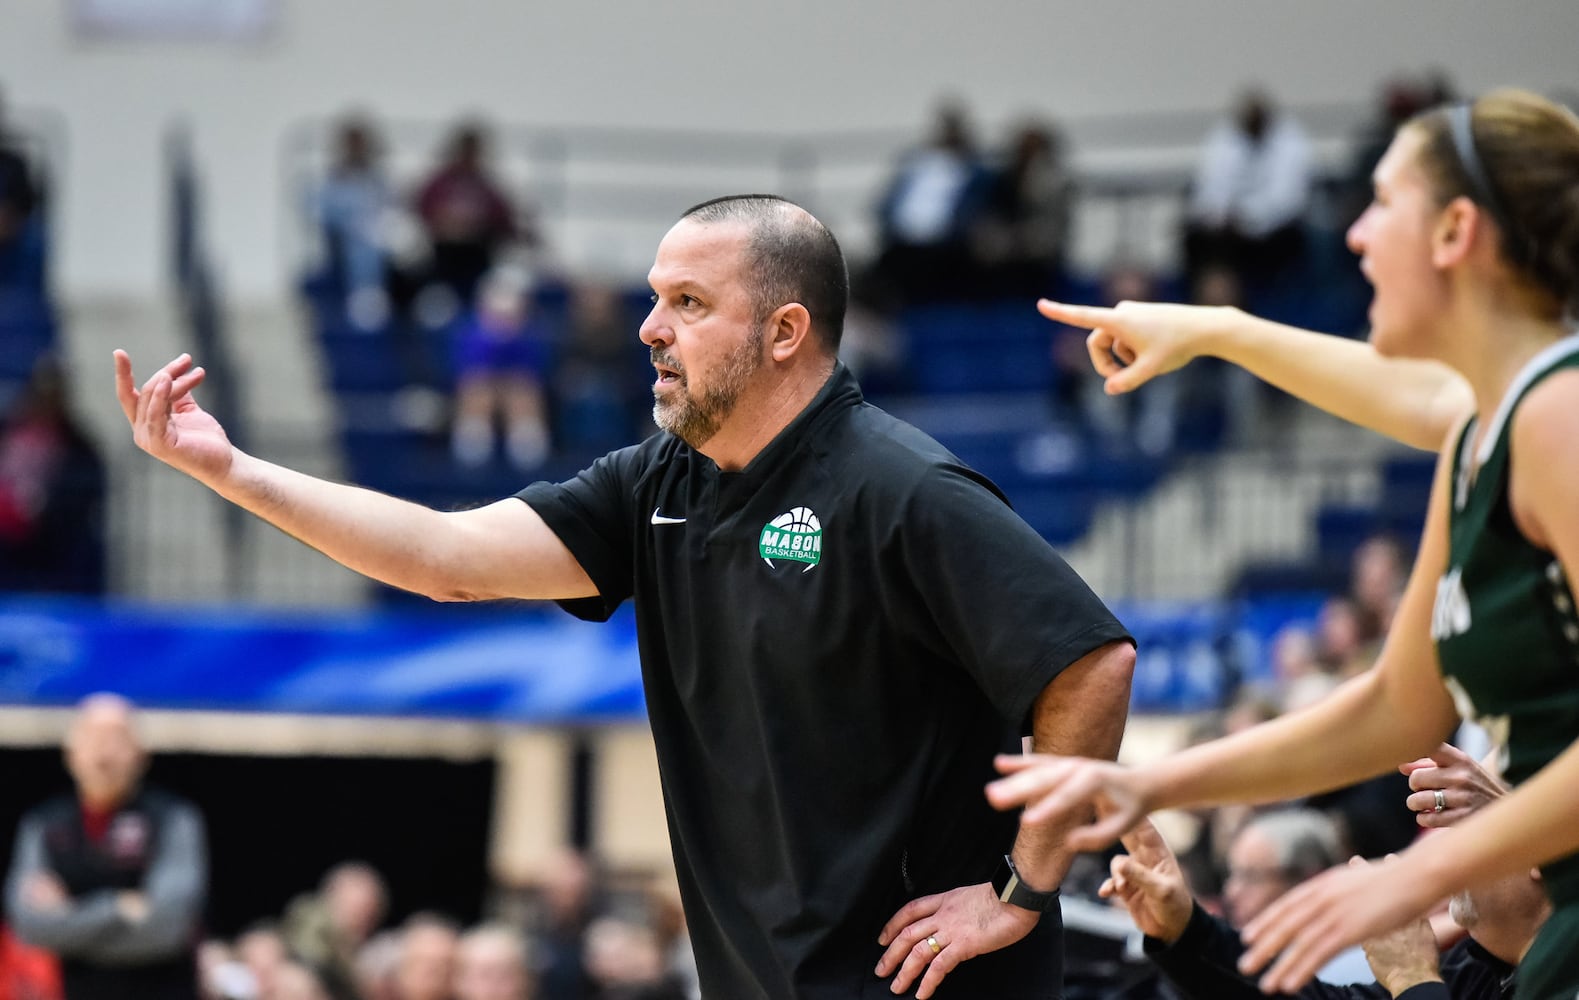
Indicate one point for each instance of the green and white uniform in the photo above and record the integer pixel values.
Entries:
(1507, 636)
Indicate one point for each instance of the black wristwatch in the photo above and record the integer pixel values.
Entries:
(1006, 883)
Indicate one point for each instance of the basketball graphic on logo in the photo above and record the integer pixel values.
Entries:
(795, 535)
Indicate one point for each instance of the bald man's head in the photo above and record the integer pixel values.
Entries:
(103, 750)
(790, 257)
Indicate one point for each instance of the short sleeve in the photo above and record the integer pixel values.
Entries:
(591, 514)
(1014, 613)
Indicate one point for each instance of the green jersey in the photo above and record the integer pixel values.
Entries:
(1504, 622)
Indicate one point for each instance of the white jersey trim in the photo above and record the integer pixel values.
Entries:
(1521, 381)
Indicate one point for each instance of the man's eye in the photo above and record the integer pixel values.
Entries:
(687, 300)
(654, 298)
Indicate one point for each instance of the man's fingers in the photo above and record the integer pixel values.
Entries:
(182, 386)
(177, 365)
(1415, 765)
(941, 965)
(125, 389)
(908, 914)
(159, 408)
(915, 963)
(1081, 316)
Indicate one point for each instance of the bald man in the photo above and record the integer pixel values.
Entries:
(112, 878)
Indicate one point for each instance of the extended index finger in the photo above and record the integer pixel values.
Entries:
(1088, 317)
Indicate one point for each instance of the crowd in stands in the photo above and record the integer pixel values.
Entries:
(51, 477)
(107, 887)
(522, 362)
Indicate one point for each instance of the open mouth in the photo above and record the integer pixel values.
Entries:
(667, 374)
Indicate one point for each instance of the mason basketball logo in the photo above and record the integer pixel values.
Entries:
(795, 536)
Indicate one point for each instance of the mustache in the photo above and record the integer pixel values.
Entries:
(663, 358)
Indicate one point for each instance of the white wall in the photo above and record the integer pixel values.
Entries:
(698, 64)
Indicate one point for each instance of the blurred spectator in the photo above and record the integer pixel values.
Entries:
(112, 879)
(51, 494)
(262, 950)
(926, 216)
(626, 962)
(1205, 858)
(1019, 238)
(26, 972)
(222, 975)
(1252, 187)
(490, 964)
(1379, 570)
(570, 898)
(1301, 679)
(1401, 99)
(1340, 647)
(667, 917)
(375, 966)
(351, 208)
(501, 363)
(19, 193)
(426, 967)
(297, 982)
(466, 213)
(1274, 852)
(327, 929)
(602, 380)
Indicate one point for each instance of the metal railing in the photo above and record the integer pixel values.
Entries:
(1188, 538)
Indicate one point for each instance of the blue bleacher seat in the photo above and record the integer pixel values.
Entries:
(358, 362)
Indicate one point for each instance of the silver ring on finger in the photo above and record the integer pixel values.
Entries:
(932, 942)
(1441, 800)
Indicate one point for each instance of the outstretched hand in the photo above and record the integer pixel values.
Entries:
(1134, 342)
(166, 421)
(1150, 884)
(1305, 927)
(1065, 790)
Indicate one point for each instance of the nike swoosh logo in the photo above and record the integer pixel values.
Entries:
(658, 518)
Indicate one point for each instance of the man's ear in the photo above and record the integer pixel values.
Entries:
(788, 328)
(1455, 232)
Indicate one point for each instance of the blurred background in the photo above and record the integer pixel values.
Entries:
(408, 240)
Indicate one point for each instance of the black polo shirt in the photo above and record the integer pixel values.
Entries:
(835, 641)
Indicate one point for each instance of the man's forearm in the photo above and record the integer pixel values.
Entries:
(73, 930)
(174, 889)
(1081, 713)
(388, 539)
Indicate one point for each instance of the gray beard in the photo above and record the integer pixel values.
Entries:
(1461, 907)
(695, 420)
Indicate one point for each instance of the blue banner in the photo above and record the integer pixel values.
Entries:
(526, 667)
(532, 664)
